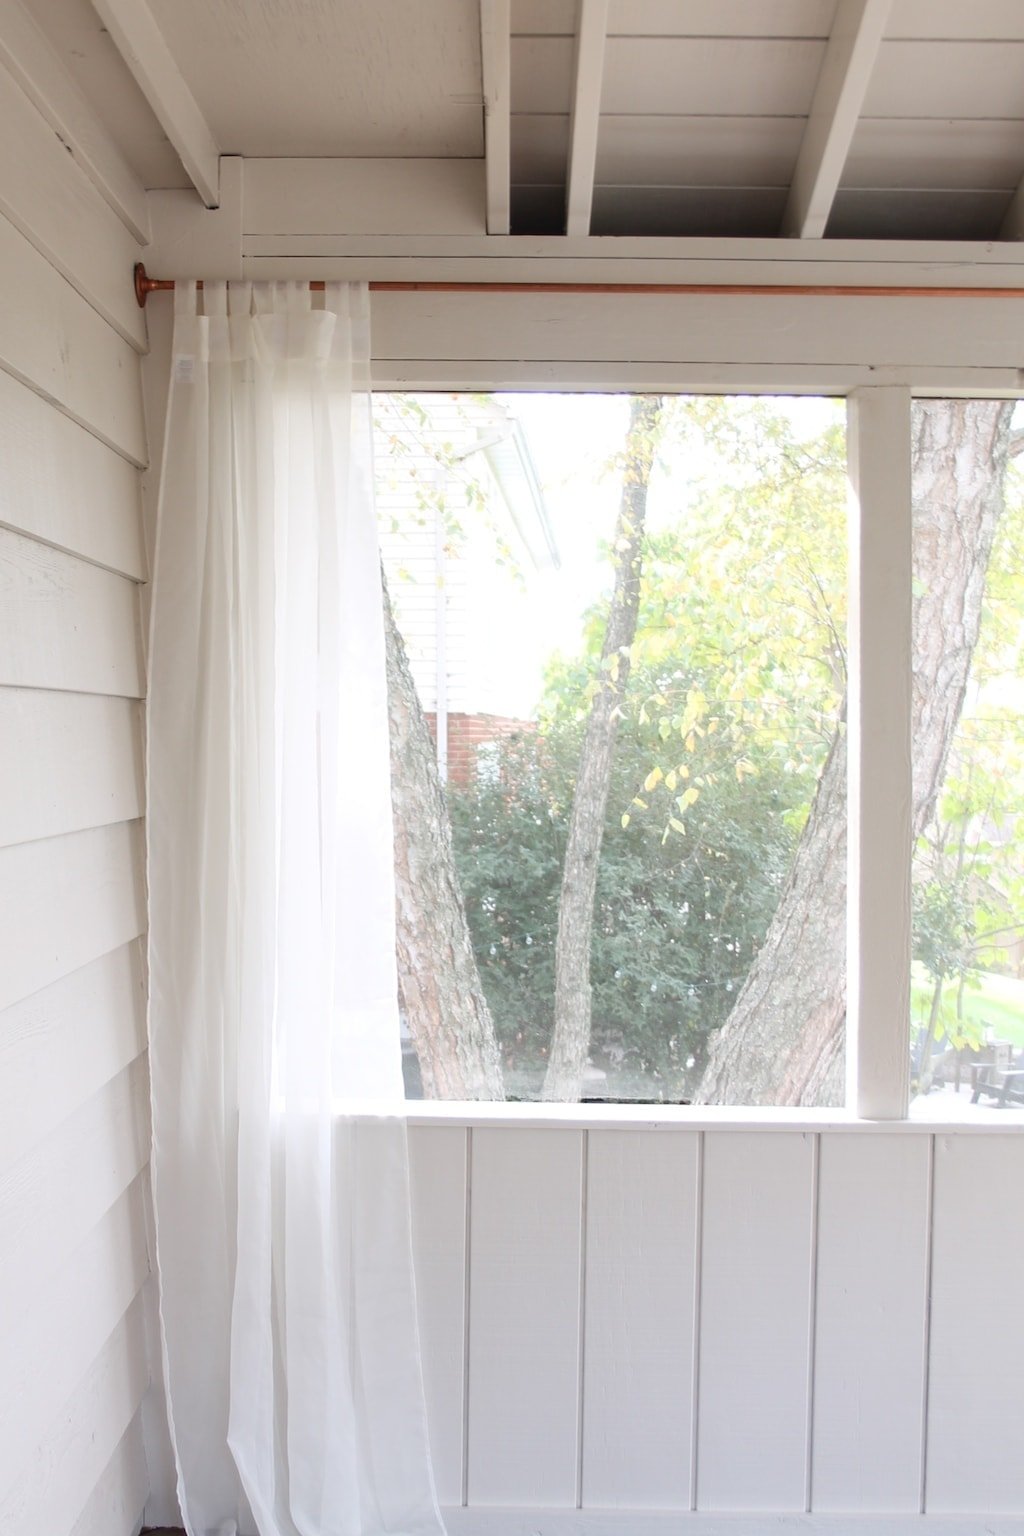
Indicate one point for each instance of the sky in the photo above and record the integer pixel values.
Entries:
(573, 440)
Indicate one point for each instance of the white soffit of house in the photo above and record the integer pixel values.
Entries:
(508, 456)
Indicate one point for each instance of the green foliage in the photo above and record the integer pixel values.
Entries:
(943, 928)
(733, 696)
(676, 921)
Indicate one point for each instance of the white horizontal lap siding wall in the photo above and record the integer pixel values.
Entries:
(645, 1329)
(73, 1082)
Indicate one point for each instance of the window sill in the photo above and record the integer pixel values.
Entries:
(923, 1118)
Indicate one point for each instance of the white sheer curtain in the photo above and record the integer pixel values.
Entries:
(285, 1266)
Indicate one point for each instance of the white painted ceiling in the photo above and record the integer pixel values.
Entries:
(702, 105)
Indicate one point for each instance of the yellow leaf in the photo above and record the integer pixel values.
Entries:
(625, 818)
(653, 779)
(671, 779)
(677, 826)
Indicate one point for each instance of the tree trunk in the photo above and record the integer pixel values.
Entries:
(570, 1041)
(438, 982)
(924, 1073)
(783, 1041)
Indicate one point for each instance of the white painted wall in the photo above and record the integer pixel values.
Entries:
(74, 1259)
(623, 1323)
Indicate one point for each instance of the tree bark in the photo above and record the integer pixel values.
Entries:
(438, 981)
(570, 1041)
(783, 1041)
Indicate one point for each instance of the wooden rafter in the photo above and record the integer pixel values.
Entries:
(495, 48)
(591, 28)
(838, 98)
(142, 45)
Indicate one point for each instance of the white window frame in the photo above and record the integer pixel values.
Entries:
(826, 346)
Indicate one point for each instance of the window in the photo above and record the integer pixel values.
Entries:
(967, 991)
(720, 710)
(707, 964)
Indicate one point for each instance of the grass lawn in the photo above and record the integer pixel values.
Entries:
(993, 1002)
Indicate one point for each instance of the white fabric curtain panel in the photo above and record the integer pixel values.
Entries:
(280, 1171)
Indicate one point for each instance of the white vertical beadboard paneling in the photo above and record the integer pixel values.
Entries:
(755, 1313)
(438, 1186)
(524, 1305)
(976, 1367)
(639, 1315)
(872, 1273)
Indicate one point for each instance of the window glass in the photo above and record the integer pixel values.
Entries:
(967, 983)
(623, 645)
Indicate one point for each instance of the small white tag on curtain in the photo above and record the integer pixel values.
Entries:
(184, 370)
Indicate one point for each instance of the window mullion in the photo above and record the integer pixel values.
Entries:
(880, 767)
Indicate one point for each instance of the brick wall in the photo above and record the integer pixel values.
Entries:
(468, 732)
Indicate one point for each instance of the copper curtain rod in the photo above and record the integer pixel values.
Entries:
(145, 285)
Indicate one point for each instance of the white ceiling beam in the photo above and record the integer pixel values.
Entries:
(42, 75)
(846, 69)
(141, 44)
(496, 52)
(591, 28)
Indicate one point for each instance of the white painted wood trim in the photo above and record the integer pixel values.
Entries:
(270, 231)
(708, 1118)
(647, 1522)
(784, 336)
(32, 61)
(495, 53)
(403, 197)
(969, 382)
(879, 773)
(591, 29)
(189, 239)
(853, 46)
(144, 49)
